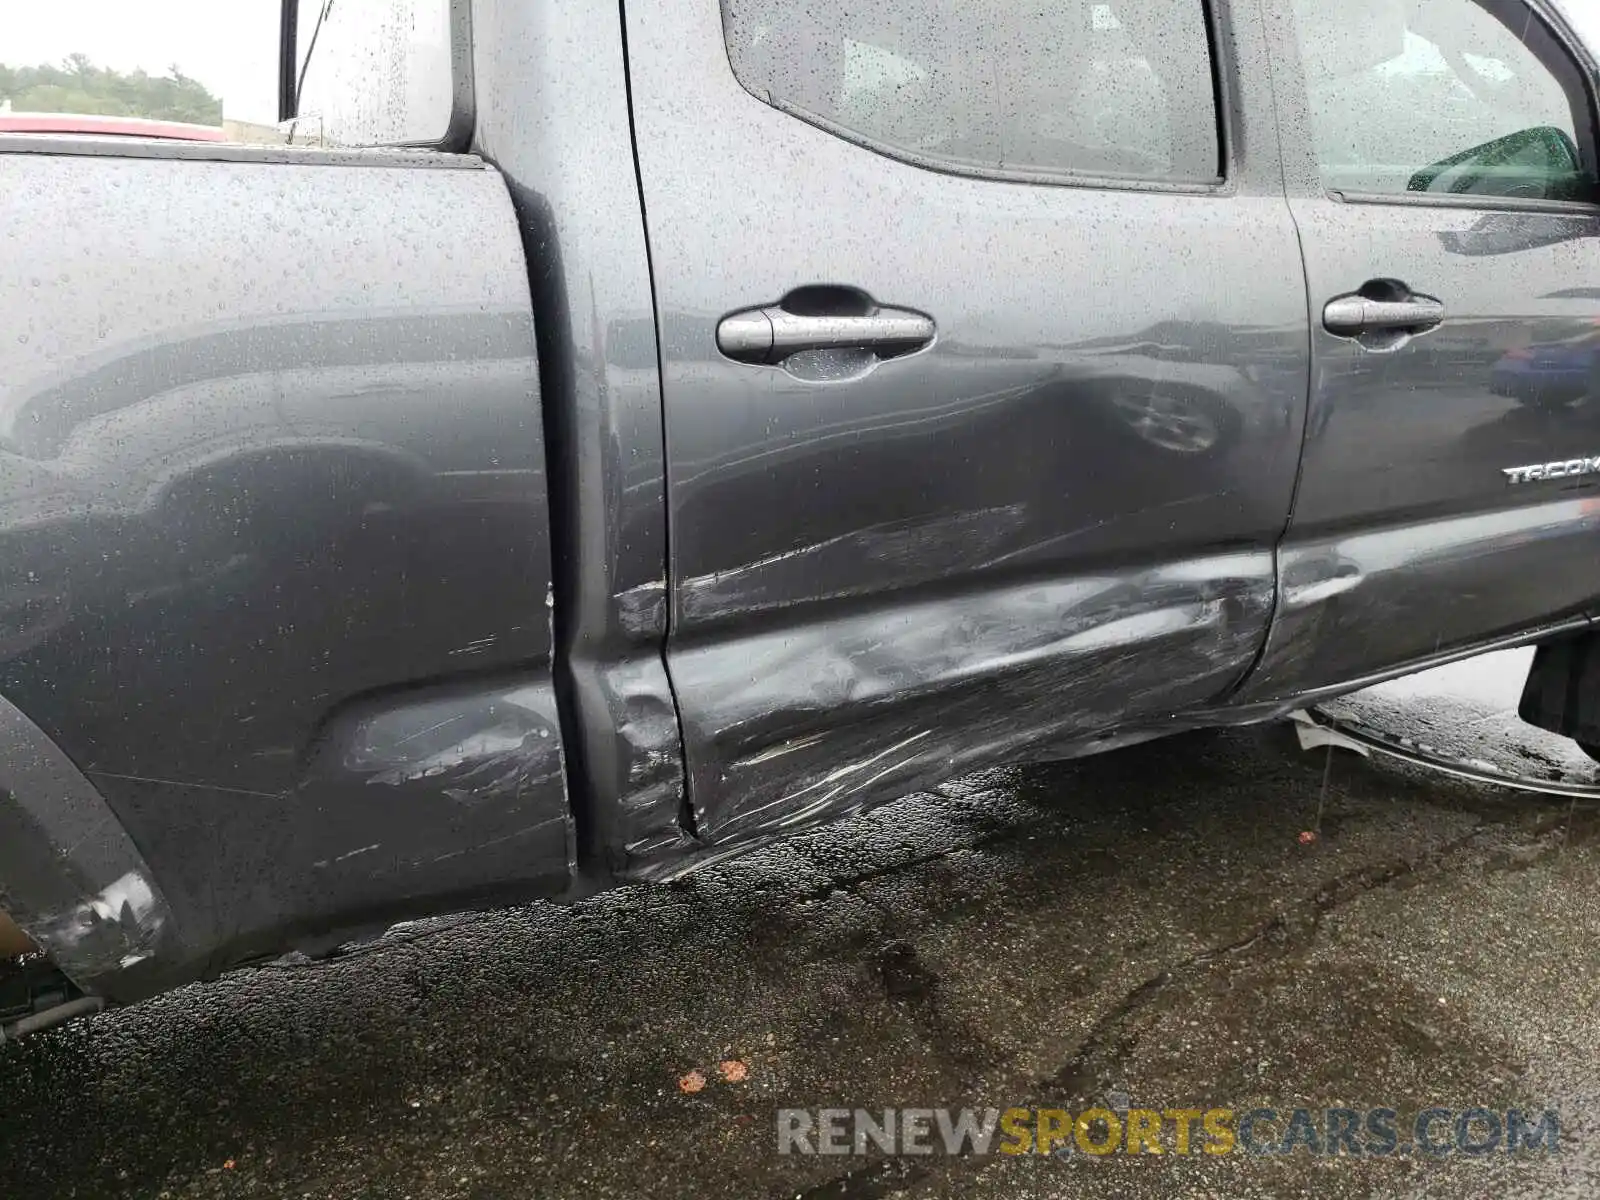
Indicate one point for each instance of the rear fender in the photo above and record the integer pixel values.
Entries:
(72, 878)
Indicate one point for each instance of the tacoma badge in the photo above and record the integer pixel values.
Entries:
(1552, 470)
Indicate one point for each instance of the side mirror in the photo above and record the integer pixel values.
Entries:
(1538, 164)
(379, 72)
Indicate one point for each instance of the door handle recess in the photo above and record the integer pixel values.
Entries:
(772, 334)
(1351, 316)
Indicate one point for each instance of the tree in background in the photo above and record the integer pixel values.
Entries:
(78, 86)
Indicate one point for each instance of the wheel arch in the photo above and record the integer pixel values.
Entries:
(72, 878)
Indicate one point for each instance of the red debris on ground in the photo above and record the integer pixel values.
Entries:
(693, 1082)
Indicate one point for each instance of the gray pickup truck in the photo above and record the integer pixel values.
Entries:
(732, 416)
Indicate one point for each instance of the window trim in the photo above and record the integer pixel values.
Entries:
(1526, 204)
(1571, 48)
(463, 119)
(1224, 99)
(73, 145)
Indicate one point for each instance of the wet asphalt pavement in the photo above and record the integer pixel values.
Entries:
(1147, 924)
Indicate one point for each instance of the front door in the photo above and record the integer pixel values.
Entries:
(984, 344)
(1442, 160)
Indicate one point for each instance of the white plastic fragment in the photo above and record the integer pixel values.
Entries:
(1312, 735)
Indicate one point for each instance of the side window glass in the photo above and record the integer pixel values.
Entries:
(1462, 97)
(1119, 88)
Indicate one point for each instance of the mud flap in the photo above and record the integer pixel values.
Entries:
(1563, 689)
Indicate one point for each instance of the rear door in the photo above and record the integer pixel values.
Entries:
(984, 347)
(1442, 158)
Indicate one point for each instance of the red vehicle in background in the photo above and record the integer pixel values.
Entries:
(179, 131)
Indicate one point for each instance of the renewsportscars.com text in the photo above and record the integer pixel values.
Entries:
(1375, 1132)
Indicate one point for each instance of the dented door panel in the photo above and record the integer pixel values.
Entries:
(1057, 519)
(851, 709)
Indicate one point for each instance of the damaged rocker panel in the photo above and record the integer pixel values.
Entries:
(1357, 604)
(796, 725)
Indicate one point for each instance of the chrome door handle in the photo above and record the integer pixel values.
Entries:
(1349, 316)
(772, 334)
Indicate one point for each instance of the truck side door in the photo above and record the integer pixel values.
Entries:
(984, 361)
(1442, 165)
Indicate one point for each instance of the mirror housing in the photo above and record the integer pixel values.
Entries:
(387, 72)
(288, 33)
(1543, 157)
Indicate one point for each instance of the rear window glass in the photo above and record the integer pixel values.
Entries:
(1119, 88)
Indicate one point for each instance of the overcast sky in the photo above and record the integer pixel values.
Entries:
(231, 46)
(1585, 17)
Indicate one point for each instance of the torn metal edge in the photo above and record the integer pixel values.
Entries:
(1334, 731)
